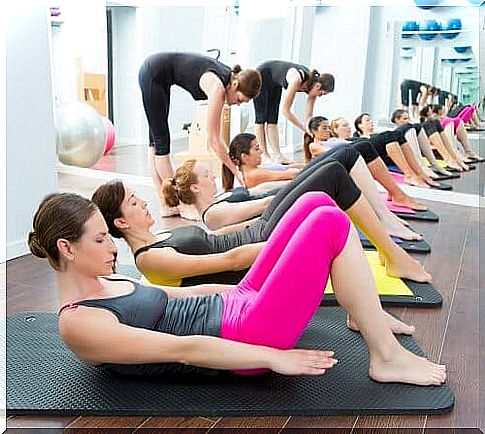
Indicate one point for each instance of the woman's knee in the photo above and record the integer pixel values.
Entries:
(315, 199)
(330, 226)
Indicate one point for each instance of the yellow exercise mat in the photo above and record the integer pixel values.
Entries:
(385, 285)
(441, 163)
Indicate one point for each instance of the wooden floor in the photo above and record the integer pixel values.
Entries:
(449, 335)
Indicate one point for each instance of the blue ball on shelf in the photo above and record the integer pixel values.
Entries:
(409, 26)
(462, 50)
(452, 24)
(429, 25)
(427, 4)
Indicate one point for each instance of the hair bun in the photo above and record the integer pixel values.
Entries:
(35, 247)
(236, 69)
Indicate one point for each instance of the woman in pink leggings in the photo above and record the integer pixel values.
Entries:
(115, 323)
(455, 129)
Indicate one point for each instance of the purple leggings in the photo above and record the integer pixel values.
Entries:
(276, 300)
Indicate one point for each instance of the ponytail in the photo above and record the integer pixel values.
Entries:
(227, 178)
(170, 192)
(307, 140)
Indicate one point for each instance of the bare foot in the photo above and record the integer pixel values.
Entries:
(414, 180)
(455, 165)
(442, 171)
(431, 182)
(397, 229)
(405, 267)
(396, 326)
(402, 366)
(410, 203)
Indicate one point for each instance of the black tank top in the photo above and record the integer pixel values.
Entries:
(274, 72)
(193, 240)
(239, 194)
(403, 129)
(185, 70)
(150, 308)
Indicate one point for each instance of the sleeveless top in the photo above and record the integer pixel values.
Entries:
(274, 72)
(150, 308)
(239, 194)
(185, 70)
(193, 240)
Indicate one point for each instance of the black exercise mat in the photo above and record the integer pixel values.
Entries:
(427, 215)
(441, 186)
(43, 377)
(416, 246)
(442, 177)
(425, 295)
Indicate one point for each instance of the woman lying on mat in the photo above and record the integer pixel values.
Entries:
(416, 136)
(118, 324)
(190, 255)
(321, 143)
(440, 141)
(456, 131)
(245, 151)
(394, 150)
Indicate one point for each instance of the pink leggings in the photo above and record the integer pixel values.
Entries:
(455, 121)
(464, 116)
(276, 300)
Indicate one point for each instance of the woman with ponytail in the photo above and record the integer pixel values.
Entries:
(204, 78)
(278, 75)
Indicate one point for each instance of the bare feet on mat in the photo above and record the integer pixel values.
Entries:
(415, 181)
(397, 327)
(404, 200)
(405, 267)
(402, 366)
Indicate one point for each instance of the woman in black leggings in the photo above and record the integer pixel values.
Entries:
(205, 79)
(190, 255)
(278, 75)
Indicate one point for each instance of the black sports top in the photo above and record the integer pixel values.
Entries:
(274, 72)
(239, 194)
(150, 308)
(193, 240)
(185, 70)
(403, 129)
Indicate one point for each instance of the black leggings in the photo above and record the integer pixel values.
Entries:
(432, 126)
(320, 174)
(380, 142)
(156, 102)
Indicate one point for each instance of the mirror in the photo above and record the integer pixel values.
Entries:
(440, 48)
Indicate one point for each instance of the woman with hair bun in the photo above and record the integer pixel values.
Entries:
(277, 75)
(204, 78)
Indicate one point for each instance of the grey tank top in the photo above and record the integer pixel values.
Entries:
(150, 308)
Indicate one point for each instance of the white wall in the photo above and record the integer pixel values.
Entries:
(340, 39)
(31, 154)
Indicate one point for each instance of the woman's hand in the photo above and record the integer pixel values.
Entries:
(301, 362)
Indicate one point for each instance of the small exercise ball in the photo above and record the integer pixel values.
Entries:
(110, 135)
(244, 110)
(409, 26)
(462, 50)
(452, 24)
(427, 4)
(428, 25)
(81, 135)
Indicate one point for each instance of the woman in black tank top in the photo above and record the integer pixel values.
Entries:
(394, 150)
(278, 75)
(205, 79)
(189, 254)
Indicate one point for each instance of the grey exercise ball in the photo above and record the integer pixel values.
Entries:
(80, 136)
